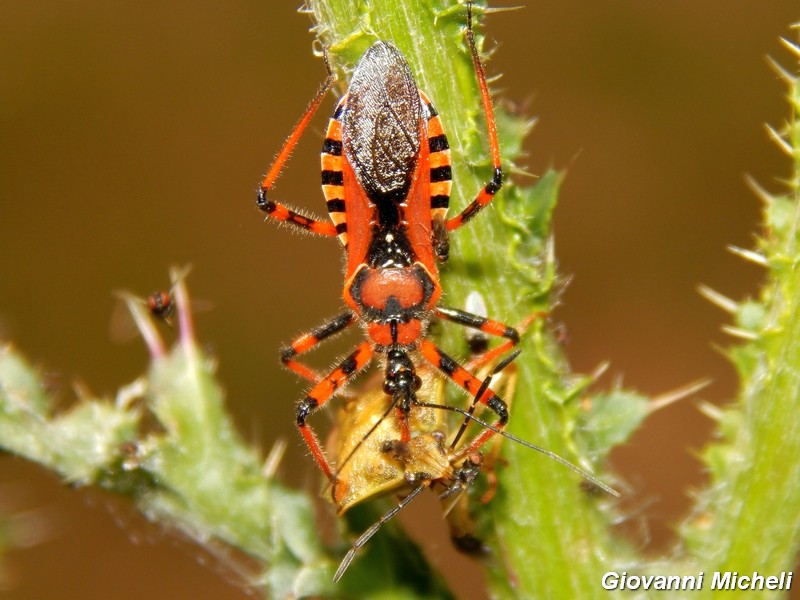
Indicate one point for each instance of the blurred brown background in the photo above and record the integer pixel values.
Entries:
(133, 136)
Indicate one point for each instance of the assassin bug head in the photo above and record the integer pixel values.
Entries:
(400, 380)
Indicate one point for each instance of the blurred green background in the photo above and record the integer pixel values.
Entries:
(133, 137)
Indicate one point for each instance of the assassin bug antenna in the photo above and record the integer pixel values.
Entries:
(365, 537)
(559, 459)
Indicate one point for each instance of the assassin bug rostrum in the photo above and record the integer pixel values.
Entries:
(386, 178)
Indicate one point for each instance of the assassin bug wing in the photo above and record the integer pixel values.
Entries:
(381, 124)
(386, 162)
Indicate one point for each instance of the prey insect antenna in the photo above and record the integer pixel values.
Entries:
(559, 459)
(454, 495)
(365, 537)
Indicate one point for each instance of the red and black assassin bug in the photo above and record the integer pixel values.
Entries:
(386, 178)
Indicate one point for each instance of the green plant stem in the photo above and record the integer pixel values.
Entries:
(749, 518)
(193, 473)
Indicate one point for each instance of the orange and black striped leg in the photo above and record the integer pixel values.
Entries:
(484, 197)
(307, 341)
(468, 415)
(473, 386)
(492, 457)
(487, 326)
(279, 211)
(488, 192)
(321, 393)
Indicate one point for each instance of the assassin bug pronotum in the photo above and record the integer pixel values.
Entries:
(386, 178)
